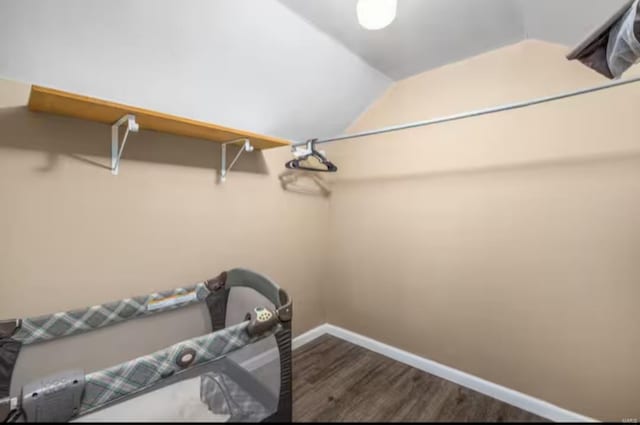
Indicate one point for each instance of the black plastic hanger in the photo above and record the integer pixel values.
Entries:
(297, 164)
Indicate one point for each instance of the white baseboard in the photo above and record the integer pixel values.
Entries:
(507, 395)
(310, 335)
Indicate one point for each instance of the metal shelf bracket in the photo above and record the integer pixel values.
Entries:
(224, 170)
(116, 147)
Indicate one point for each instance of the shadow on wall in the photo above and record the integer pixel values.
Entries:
(567, 161)
(90, 143)
(304, 183)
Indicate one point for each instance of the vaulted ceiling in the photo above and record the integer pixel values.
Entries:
(291, 68)
(430, 33)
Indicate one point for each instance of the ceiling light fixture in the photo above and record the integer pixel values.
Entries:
(376, 14)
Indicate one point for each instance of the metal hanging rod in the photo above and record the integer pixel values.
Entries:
(479, 112)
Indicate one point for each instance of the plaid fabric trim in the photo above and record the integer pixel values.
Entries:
(51, 326)
(119, 381)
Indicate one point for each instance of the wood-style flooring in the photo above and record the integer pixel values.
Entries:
(336, 381)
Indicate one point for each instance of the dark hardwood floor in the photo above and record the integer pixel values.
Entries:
(336, 381)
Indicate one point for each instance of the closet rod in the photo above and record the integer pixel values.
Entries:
(476, 113)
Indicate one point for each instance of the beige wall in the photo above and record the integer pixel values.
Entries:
(74, 235)
(505, 246)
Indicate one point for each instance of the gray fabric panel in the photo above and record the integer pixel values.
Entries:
(285, 399)
(262, 284)
(217, 304)
(596, 57)
(9, 351)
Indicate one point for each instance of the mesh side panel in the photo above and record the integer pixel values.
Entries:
(224, 396)
(178, 402)
(261, 358)
(262, 361)
(120, 381)
(222, 391)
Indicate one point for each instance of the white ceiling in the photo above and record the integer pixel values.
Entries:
(430, 33)
(249, 64)
(260, 65)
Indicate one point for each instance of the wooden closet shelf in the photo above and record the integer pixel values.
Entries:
(58, 102)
